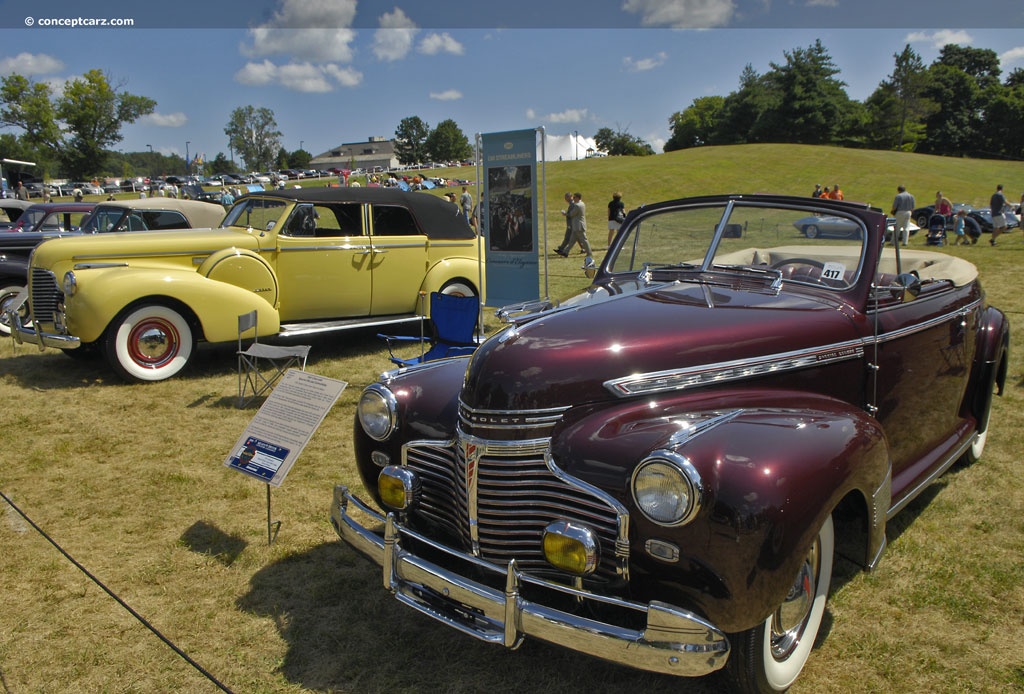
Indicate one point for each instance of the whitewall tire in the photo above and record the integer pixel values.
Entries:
(149, 343)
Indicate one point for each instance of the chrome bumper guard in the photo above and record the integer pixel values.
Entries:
(674, 642)
(21, 334)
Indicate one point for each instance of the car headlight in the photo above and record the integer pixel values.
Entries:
(378, 412)
(70, 284)
(571, 547)
(667, 488)
(398, 487)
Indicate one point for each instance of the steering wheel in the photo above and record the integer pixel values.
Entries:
(806, 262)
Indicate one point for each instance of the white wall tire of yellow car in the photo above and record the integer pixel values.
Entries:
(149, 343)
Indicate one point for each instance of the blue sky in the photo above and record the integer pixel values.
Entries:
(335, 71)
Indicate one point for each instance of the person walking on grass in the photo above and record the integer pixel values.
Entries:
(997, 204)
(577, 215)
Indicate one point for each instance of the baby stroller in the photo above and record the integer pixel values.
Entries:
(936, 231)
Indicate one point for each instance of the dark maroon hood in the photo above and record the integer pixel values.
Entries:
(564, 357)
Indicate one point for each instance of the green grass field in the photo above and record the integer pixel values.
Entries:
(129, 479)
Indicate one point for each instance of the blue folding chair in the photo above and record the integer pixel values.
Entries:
(454, 319)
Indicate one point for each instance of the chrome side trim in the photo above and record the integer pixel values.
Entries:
(938, 472)
(724, 372)
(673, 641)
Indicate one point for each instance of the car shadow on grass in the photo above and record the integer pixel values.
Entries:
(345, 632)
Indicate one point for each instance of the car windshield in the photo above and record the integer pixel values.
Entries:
(255, 213)
(773, 242)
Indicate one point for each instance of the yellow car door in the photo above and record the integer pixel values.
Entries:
(399, 260)
(324, 262)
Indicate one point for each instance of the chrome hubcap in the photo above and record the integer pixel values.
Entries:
(790, 619)
(153, 344)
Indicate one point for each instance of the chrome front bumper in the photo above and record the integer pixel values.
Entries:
(674, 641)
(33, 334)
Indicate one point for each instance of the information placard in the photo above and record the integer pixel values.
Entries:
(283, 426)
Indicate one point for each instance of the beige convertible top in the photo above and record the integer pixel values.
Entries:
(201, 215)
(929, 265)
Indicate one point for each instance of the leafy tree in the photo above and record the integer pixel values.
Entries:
(954, 128)
(619, 143)
(410, 140)
(253, 134)
(447, 142)
(982, 64)
(696, 125)
(1015, 78)
(742, 109)
(1001, 131)
(76, 127)
(807, 102)
(299, 159)
(220, 165)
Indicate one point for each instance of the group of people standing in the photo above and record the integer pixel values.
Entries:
(835, 193)
(903, 206)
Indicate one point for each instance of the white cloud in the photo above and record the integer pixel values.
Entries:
(570, 115)
(682, 14)
(29, 64)
(297, 29)
(300, 77)
(823, 3)
(394, 39)
(1012, 56)
(440, 43)
(940, 38)
(644, 64)
(165, 120)
(449, 95)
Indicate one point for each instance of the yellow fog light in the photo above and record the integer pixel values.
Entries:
(399, 487)
(571, 547)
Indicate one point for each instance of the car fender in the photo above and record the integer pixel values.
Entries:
(988, 373)
(448, 269)
(427, 403)
(104, 292)
(243, 268)
(773, 465)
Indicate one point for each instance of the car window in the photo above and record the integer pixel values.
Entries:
(164, 219)
(391, 220)
(818, 249)
(103, 219)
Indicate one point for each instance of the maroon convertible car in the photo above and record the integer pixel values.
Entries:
(658, 471)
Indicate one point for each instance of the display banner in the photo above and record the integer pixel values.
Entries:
(510, 215)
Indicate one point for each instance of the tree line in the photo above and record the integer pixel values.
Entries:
(957, 106)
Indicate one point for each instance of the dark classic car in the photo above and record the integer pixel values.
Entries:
(658, 471)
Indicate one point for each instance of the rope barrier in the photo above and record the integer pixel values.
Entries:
(142, 620)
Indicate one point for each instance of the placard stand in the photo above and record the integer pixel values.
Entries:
(273, 527)
(286, 421)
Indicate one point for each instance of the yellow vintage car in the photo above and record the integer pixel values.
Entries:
(307, 260)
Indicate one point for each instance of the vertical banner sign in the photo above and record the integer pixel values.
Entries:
(510, 217)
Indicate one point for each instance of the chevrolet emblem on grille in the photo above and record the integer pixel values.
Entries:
(471, 455)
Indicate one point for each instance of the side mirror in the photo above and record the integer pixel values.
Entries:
(908, 285)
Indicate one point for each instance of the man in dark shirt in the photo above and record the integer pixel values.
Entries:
(996, 204)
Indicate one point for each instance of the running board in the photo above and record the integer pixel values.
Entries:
(296, 329)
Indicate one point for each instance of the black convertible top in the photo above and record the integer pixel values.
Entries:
(438, 218)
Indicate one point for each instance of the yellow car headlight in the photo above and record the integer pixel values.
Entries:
(571, 547)
(667, 488)
(398, 487)
(70, 284)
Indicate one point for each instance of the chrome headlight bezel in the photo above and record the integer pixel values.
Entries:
(378, 412)
(69, 284)
(667, 489)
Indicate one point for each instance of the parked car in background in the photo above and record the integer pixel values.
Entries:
(53, 217)
(10, 211)
(659, 471)
(192, 191)
(983, 217)
(35, 189)
(307, 261)
(151, 214)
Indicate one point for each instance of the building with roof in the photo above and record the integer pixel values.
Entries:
(377, 153)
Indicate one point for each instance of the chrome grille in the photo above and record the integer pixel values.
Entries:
(517, 494)
(46, 295)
